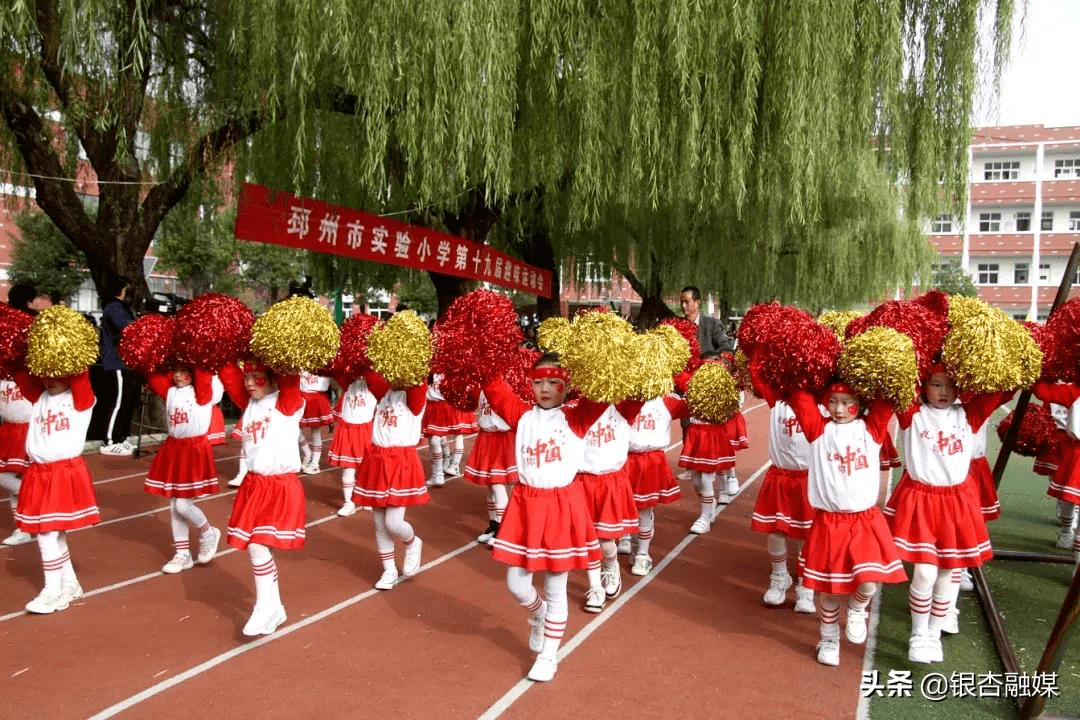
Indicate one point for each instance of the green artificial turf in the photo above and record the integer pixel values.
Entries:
(1028, 595)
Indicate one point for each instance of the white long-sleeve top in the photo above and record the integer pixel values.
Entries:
(57, 430)
(549, 453)
(395, 424)
(14, 408)
(487, 419)
(651, 429)
(311, 383)
(938, 442)
(358, 404)
(271, 438)
(788, 447)
(978, 442)
(434, 391)
(185, 417)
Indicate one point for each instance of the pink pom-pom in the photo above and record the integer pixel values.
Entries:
(146, 344)
(212, 330)
(1038, 432)
(14, 331)
(926, 327)
(476, 338)
(689, 331)
(352, 359)
(801, 355)
(762, 324)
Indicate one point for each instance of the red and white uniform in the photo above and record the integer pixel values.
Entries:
(934, 510)
(608, 492)
(783, 504)
(317, 412)
(493, 460)
(1065, 483)
(441, 418)
(707, 447)
(184, 466)
(1047, 463)
(352, 436)
(983, 476)
(269, 508)
(56, 492)
(647, 466)
(547, 525)
(849, 542)
(15, 412)
(735, 428)
(391, 474)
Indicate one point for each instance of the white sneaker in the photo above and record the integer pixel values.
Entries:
(310, 468)
(856, 626)
(180, 562)
(347, 509)
(1065, 540)
(724, 498)
(411, 564)
(828, 651)
(536, 631)
(18, 537)
(804, 600)
(264, 620)
(624, 545)
(237, 481)
(778, 587)
(611, 581)
(732, 485)
(387, 580)
(922, 648)
(641, 566)
(967, 584)
(951, 624)
(453, 470)
(489, 534)
(46, 603)
(71, 590)
(594, 600)
(543, 670)
(436, 481)
(684, 475)
(701, 525)
(122, 449)
(208, 546)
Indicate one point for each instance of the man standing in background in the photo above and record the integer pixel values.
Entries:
(711, 335)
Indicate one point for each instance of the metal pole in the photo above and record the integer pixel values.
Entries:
(1064, 630)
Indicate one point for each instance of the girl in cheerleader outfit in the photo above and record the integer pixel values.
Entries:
(317, 415)
(1048, 463)
(1065, 482)
(934, 510)
(269, 508)
(547, 526)
(15, 412)
(707, 450)
(492, 464)
(56, 494)
(391, 477)
(651, 479)
(848, 550)
(184, 468)
(444, 426)
(735, 428)
(352, 434)
(782, 509)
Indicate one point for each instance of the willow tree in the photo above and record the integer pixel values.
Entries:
(718, 105)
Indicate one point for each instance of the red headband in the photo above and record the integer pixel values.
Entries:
(549, 371)
(839, 386)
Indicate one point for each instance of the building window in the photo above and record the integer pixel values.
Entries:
(1005, 170)
(1019, 317)
(1044, 272)
(941, 224)
(1023, 222)
(1074, 219)
(1048, 220)
(1020, 273)
(988, 273)
(990, 222)
(1067, 168)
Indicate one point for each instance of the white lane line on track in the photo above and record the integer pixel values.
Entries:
(503, 704)
(287, 630)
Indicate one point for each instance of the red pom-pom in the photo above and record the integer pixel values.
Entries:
(689, 331)
(14, 330)
(1046, 340)
(926, 328)
(764, 323)
(801, 355)
(212, 330)
(1064, 326)
(475, 339)
(1038, 432)
(936, 301)
(352, 359)
(147, 343)
(519, 373)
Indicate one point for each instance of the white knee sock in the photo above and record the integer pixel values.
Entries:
(53, 559)
(316, 445)
(11, 482)
(459, 450)
(646, 521)
(436, 444)
(264, 569)
(497, 499)
(706, 492)
(777, 546)
(348, 482)
(557, 612)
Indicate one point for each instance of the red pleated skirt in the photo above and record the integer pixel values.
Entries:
(651, 479)
(183, 468)
(216, 433)
(237, 433)
(350, 444)
(317, 411)
(56, 496)
(783, 505)
(1065, 484)
(890, 458)
(707, 448)
(844, 550)
(390, 477)
(441, 418)
(269, 510)
(736, 431)
(13, 447)
(940, 526)
(1047, 463)
(983, 478)
(610, 501)
(547, 530)
(492, 460)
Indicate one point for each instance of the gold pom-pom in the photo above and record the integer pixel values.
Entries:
(552, 333)
(678, 350)
(61, 342)
(597, 352)
(649, 369)
(712, 394)
(401, 349)
(295, 335)
(881, 362)
(962, 309)
(990, 352)
(838, 320)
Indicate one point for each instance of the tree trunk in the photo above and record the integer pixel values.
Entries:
(448, 288)
(651, 290)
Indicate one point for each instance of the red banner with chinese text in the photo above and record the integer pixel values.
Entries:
(281, 218)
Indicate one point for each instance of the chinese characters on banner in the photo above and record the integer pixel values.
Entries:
(281, 218)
